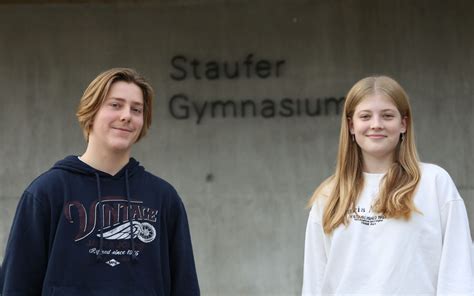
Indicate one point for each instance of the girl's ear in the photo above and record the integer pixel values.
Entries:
(351, 125)
(404, 124)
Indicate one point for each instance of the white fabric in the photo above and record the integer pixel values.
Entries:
(430, 254)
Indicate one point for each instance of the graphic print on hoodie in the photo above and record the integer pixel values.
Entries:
(80, 231)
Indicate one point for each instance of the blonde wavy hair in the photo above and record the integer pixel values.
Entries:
(342, 189)
(96, 93)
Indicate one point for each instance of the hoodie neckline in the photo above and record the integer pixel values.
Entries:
(72, 163)
(102, 173)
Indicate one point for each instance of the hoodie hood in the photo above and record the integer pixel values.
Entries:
(73, 164)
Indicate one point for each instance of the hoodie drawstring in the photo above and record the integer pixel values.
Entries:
(99, 256)
(99, 194)
(130, 218)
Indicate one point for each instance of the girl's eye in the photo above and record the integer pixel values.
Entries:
(364, 116)
(114, 105)
(388, 116)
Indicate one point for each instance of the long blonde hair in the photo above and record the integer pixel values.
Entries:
(396, 194)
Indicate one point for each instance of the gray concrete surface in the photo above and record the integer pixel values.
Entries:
(245, 181)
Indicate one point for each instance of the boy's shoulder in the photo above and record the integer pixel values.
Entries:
(160, 187)
(46, 181)
(156, 181)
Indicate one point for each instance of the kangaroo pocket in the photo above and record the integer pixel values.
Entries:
(99, 291)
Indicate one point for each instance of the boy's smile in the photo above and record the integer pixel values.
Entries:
(118, 123)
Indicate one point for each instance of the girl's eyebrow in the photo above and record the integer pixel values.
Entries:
(383, 110)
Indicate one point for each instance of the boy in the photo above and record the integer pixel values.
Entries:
(99, 224)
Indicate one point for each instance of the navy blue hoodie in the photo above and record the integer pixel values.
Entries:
(80, 231)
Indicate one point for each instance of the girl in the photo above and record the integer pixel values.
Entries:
(384, 223)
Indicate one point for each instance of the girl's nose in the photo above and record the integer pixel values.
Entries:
(376, 123)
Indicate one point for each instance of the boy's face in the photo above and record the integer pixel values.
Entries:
(119, 121)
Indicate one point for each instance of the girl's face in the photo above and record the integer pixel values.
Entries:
(377, 125)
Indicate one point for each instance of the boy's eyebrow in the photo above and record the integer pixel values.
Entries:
(123, 100)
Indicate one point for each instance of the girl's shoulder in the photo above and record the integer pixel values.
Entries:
(434, 177)
(430, 170)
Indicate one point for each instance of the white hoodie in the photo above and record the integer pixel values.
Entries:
(430, 254)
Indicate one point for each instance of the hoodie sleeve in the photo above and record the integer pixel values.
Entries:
(456, 274)
(183, 271)
(26, 255)
(314, 256)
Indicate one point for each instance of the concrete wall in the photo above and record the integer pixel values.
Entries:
(245, 181)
